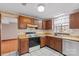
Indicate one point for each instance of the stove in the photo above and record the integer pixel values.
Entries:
(34, 40)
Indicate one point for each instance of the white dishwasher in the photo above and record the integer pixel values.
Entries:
(70, 48)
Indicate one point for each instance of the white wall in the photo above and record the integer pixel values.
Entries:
(74, 32)
(9, 31)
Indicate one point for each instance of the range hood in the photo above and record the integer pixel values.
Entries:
(32, 25)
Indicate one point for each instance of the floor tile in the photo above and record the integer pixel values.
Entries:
(44, 52)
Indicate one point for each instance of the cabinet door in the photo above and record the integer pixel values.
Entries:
(74, 21)
(39, 24)
(42, 42)
(52, 42)
(23, 21)
(58, 44)
(43, 25)
(47, 24)
(48, 41)
(23, 46)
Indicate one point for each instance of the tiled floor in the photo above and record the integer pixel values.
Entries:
(43, 52)
(37, 51)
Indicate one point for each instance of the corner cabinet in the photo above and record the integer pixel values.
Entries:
(47, 24)
(42, 42)
(53, 42)
(56, 43)
(74, 21)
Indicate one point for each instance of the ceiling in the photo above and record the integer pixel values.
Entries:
(51, 9)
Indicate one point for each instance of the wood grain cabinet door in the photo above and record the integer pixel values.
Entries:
(42, 42)
(47, 24)
(48, 40)
(74, 21)
(58, 44)
(23, 46)
(52, 42)
(22, 22)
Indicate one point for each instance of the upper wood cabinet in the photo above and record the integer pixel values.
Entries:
(47, 24)
(74, 21)
(23, 21)
(39, 23)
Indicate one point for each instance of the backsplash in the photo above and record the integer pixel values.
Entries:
(74, 32)
(40, 31)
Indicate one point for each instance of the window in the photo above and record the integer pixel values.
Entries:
(61, 24)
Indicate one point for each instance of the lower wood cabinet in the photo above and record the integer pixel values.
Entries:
(23, 46)
(58, 44)
(48, 40)
(52, 42)
(42, 42)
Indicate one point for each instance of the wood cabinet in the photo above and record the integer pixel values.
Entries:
(55, 43)
(42, 42)
(48, 40)
(74, 21)
(23, 46)
(52, 42)
(39, 23)
(47, 24)
(58, 44)
(23, 21)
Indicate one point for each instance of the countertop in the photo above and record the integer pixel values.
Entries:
(74, 38)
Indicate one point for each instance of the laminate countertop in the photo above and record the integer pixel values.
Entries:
(74, 38)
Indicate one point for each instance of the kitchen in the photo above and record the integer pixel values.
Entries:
(45, 31)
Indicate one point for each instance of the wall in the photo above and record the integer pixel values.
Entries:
(74, 32)
(9, 31)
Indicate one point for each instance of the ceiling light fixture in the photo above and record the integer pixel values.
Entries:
(41, 8)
